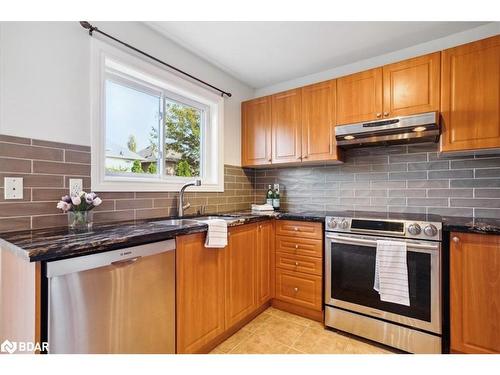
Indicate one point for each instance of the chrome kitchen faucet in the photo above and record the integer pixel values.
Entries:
(181, 206)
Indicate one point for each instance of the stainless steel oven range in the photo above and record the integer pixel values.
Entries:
(351, 303)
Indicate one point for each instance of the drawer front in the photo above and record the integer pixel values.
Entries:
(299, 263)
(303, 229)
(300, 246)
(299, 288)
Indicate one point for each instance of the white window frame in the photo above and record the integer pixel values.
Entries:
(106, 57)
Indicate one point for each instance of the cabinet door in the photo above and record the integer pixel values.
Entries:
(412, 86)
(286, 126)
(200, 292)
(359, 97)
(470, 96)
(318, 122)
(475, 293)
(241, 268)
(265, 262)
(256, 132)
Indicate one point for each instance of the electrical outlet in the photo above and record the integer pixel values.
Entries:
(75, 186)
(13, 188)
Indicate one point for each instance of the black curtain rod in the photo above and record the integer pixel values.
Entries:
(91, 29)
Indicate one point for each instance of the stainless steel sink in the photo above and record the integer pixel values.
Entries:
(177, 222)
(227, 218)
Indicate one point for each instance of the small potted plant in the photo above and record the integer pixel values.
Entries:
(78, 207)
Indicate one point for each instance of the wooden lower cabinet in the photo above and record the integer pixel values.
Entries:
(200, 293)
(299, 268)
(475, 293)
(265, 261)
(241, 273)
(219, 290)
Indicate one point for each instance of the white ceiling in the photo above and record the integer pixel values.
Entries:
(261, 54)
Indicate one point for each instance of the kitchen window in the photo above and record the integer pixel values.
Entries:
(151, 130)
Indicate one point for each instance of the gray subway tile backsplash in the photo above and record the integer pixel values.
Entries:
(412, 178)
(488, 172)
(409, 178)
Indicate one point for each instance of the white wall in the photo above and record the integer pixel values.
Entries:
(453, 40)
(44, 79)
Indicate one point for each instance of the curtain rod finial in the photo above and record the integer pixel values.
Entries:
(88, 26)
(85, 24)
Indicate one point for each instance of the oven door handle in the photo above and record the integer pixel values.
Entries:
(361, 241)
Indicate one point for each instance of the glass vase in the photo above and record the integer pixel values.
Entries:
(80, 220)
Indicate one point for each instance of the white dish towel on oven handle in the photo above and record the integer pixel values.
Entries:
(391, 272)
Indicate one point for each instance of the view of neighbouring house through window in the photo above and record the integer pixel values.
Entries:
(135, 127)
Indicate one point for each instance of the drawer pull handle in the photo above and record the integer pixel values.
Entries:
(295, 290)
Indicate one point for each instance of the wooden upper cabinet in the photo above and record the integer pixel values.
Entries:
(470, 96)
(241, 273)
(318, 122)
(412, 86)
(256, 132)
(286, 126)
(475, 293)
(200, 293)
(359, 97)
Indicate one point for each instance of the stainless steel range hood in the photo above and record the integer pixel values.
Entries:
(423, 127)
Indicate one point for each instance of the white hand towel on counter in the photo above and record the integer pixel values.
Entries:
(262, 207)
(216, 234)
(391, 272)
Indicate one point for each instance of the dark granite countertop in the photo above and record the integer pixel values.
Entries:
(59, 243)
(471, 225)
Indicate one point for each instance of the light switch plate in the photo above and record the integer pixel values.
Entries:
(13, 188)
(75, 186)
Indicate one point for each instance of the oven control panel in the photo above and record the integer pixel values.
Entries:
(394, 228)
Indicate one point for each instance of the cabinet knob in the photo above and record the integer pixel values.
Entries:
(456, 239)
(296, 263)
(296, 229)
(260, 226)
(386, 114)
(296, 246)
(379, 115)
(270, 159)
(305, 156)
(295, 290)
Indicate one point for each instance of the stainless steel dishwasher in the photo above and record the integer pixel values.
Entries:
(120, 301)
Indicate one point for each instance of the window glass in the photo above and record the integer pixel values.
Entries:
(132, 120)
(182, 129)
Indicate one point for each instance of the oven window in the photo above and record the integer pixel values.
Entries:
(353, 272)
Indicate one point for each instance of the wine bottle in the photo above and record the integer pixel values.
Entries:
(269, 196)
(276, 197)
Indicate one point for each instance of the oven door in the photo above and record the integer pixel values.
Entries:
(350, 273)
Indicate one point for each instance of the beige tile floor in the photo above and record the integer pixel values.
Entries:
(278, 332)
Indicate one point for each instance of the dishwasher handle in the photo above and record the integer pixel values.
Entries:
(125, 262)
